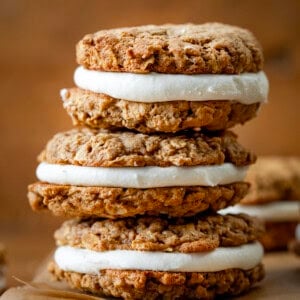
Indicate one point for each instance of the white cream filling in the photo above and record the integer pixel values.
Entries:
(275, 211)
(140, 177)
(245, 88)
(90, 262)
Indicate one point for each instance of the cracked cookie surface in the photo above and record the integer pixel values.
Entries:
(78, 201)
(100, 148)
(102, 111)
(188, 49)
(186, 235)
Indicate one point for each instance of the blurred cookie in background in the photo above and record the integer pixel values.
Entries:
(294, 246)
(274, 197)
(2, 268)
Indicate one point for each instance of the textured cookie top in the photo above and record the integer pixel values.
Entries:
(211, 48)
(156, 234)
(273, 179)
(95, 148)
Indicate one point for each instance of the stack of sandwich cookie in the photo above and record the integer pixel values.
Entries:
(274, 198)
(149, 171)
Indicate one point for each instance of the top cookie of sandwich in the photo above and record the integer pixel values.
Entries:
(274, 178)
(101, 148)
(210, 48)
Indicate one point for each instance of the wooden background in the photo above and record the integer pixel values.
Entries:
(37, 59)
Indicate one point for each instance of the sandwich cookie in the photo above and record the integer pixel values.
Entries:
(167, 78)
(274, 198)
(151, 258)
(92, 173)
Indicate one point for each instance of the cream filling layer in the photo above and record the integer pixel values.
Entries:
(141, 177)
(275, 211)
(90, 262)
(245, 88)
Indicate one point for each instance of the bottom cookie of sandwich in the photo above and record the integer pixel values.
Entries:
(139, 284)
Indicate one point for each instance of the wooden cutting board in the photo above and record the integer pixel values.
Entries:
(282, 282)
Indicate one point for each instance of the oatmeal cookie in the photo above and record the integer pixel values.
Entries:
(273, 179)
(100, 148)
(187, 49)
(148, 285)
(278, 235)
(109, 202)
(102, 111)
